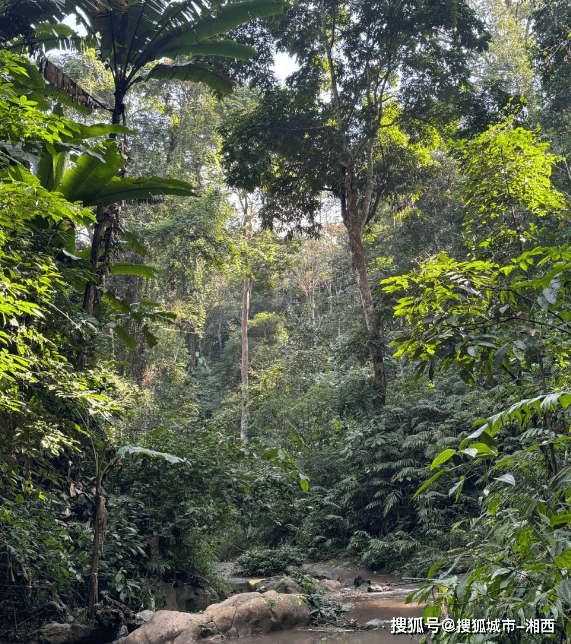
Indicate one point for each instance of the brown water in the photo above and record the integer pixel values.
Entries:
(365, 607)
(305, 637)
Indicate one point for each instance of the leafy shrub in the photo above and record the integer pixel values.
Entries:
(519, 556)
(307, 583)
(269, 562)
(323, 609)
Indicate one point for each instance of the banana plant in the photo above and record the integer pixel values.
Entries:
(92, 181)
(141, 40)
(131, 36)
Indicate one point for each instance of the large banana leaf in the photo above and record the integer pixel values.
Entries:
(235, 14)
(227, 18)
(17, 16)
(84, 181)
(60, 36)
(195, 72)
(81, 132)
(134, 34)
(131, 188)
(51, 169)
(226, 48)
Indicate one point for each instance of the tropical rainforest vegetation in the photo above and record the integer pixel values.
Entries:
(326, 317)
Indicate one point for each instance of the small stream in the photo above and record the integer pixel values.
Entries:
(365, 607)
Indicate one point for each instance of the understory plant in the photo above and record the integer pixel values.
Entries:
(519, 556)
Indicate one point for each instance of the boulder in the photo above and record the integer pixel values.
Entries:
(239, 585)
(279, 584)
(55, 633)
(122, 632)
(288, 586)
(144, 616)
(329, 585)
(290, 611)
(377, 588)
(170, 627)
(239, 616)
(255, 613)
(309, 569)
(185, 597)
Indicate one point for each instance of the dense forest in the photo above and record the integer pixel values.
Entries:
(317, 318)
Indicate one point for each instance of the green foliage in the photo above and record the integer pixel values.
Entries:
(323, 609)
(45, 401)
(39, 547)
(131, 37)
(518, 559)
(307, 582)
(269, 562)
(508, 189)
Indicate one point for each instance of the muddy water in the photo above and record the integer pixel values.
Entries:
(306, 637)
(364, 607)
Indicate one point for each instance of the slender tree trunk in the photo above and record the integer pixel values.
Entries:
(246, 291)
(354, 222)
(100, 523)
(107, 218)
(355, 218)
(96, 246)
(190, 340)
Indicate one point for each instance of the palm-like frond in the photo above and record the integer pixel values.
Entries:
(17, 17)
(133, 35)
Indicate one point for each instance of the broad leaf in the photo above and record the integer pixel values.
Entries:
(564, 590)
(133, 269)
(195, 72)
(51, 169)
(85, 181)
(564, 559)
(143, 451)
(131, 188)
(506, 478)
(225, 48)
(442, 458)
(427, 483)
(126, 337)
(226, 18)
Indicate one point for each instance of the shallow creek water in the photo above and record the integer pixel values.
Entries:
(364, 607)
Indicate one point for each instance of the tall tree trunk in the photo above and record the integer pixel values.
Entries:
(107, 221)
(190, 341)
(96, 244)
(355, 218)
(100, 524)
(246, 291)
(354, 222)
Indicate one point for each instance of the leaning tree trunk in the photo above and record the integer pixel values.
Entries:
(246, 291)
(354, 222)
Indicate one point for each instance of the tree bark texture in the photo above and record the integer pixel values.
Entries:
(246, 292)
(101, 246)
(100, 516)
(107, 222)
(354, 217)
(354, 222)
